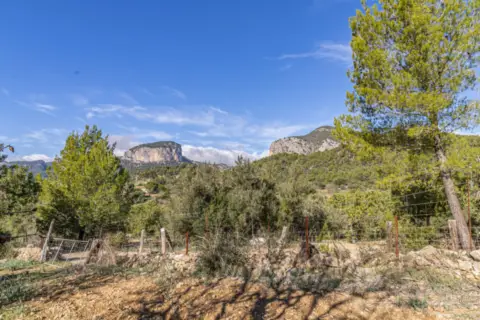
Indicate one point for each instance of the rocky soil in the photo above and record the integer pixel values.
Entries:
(337, 281)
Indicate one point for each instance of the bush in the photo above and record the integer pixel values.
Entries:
(14, 290)
(117, 239)
(221, 256)
(152, 187)
(7, 251)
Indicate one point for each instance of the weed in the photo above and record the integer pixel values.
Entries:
(417, 303)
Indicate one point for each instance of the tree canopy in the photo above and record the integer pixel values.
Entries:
(413, 63)
(86, 189)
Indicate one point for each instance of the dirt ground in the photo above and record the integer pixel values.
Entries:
(427, 284)
(140, 298)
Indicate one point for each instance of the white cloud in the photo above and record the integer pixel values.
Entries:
(5, 92)
(79, 100)
(128, 98)
(175, 92)
(31, 157)
(123, 143)
(214, 155)
(159, 135)
(218, 110)
(158, 114)
(36, 156)
(286, 67)
(44, 107)
(329, 51)
(44, 135)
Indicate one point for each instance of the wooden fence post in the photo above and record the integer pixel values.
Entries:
(452, 227)
(389, 236)
(142, 239)
(471, 246)
(162, 235)
(397, 249)
(186, 247)
(93, 249)
(283, 236)
(43, 255)
(307, 249)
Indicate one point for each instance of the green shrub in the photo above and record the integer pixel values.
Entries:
(12, 290)
(7, 251)
(221, 255)
(117, 239)
(417, 303)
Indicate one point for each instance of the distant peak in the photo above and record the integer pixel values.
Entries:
(324, 128)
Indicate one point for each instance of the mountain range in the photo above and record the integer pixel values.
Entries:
(168, 153)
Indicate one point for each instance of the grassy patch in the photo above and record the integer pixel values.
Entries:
(15, 291)
(16, 264)
(13, 312)
(417, 303)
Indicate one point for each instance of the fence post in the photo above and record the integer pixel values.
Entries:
(162, 235)
(307, 249)
(142, 239)
(389, 236)
(452, 227)
(186, 247)
(283, 236)
(93, 249)
(397, 249)
(469, 218)
(58, 251)
(43, 255)
(206, 225)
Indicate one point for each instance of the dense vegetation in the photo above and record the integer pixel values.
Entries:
(413, 61)
(89, 194)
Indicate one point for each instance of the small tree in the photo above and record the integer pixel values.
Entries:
(413, 61)
(2, 148)
(86, 190)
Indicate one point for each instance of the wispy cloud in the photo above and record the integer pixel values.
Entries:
(285, 67)
(79, 100)
(128, 98)
(45, 108)
(175, 92)
(44, 135)
(329, 51)
(5, 92)
(155, 114)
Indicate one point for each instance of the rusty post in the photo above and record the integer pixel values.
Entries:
(186, 247)
(397, 250)
(307, 249)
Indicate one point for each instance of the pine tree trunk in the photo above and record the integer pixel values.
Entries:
(453, 202)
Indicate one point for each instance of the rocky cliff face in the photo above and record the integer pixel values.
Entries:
(318, 140)
(164, 152)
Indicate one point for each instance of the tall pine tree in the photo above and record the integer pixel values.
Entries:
(413, 63)
(86, 190)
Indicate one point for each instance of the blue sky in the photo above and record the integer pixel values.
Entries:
(220, 77)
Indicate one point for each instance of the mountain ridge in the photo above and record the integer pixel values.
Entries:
(318, 140)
